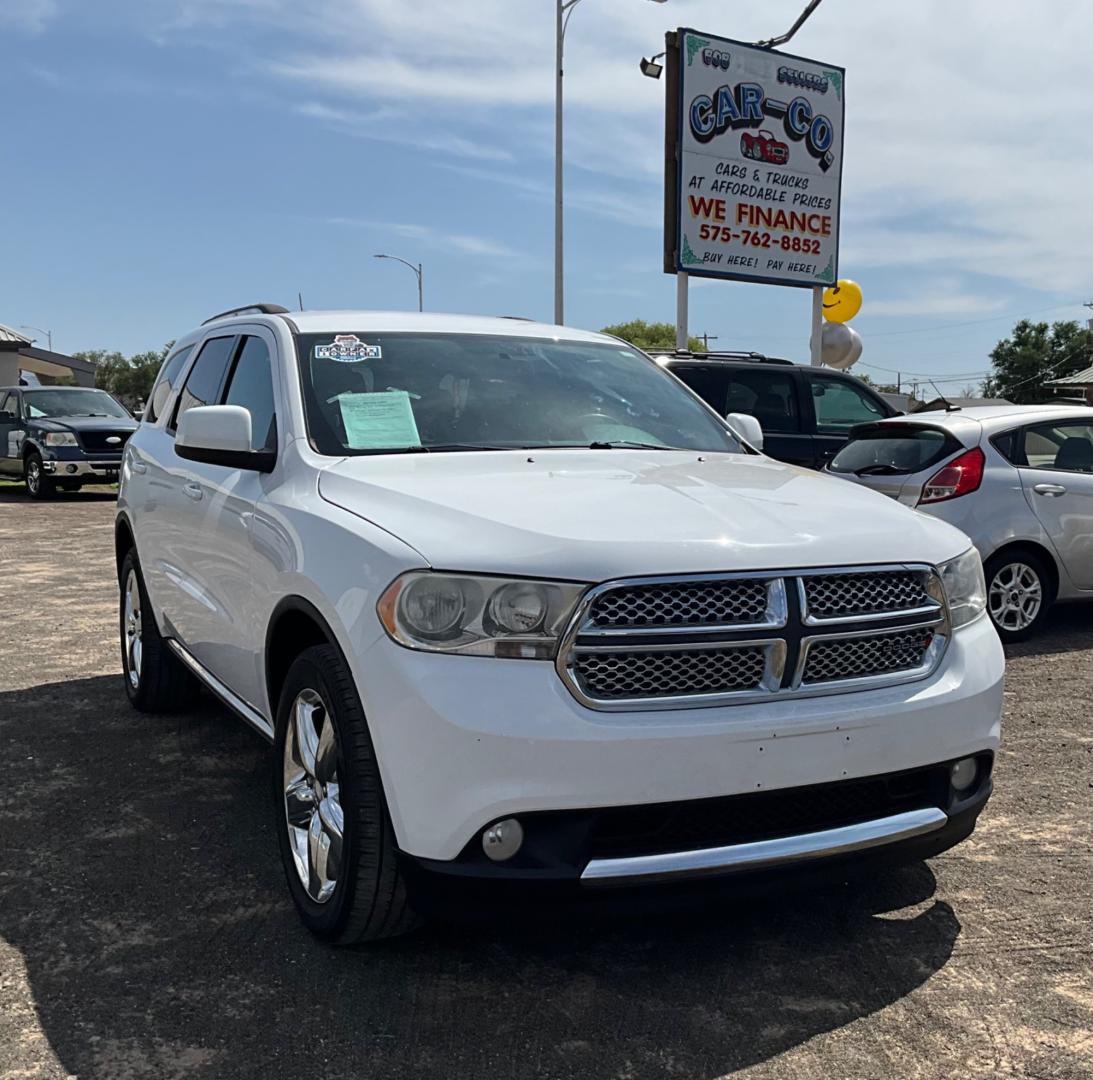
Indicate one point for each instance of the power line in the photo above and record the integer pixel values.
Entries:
(971, 322)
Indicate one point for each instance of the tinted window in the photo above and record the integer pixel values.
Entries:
(74, 402)
(1066, 446)
(206, 376)
(252, 387)
(9, 403)
(767, 394)
(165, 382)
(841, 405)
(393, 393)
(707, 382)
(893, 449)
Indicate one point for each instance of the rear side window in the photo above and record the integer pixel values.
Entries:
(709, 383)
(252, 387)
(893, 450)
(1065, 446)
(840, 405)
(9, 403)
(768, 395)
(206, 376)
(166, 381)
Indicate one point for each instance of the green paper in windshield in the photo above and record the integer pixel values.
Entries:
(378, 421)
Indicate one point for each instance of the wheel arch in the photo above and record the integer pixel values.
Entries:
(124, 541)
(1032, 547)
(296, 624)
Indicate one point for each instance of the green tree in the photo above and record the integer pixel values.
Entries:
(644, 335)
(128, 378)
(1034, 353)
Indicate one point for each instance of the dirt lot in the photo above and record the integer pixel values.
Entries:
(145, 930)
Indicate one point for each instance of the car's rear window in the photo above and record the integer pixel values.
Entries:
(893, 450)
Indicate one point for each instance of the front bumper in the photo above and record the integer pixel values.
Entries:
(463, 742)
(84, 470)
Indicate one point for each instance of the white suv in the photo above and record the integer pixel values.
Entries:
(519, 611)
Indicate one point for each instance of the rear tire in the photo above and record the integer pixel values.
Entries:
(39, 485)
(1019, 594)
(335, 834)
(155, 680)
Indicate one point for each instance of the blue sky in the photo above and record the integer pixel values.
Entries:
(169, 158)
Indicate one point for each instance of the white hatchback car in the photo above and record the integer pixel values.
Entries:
(1018, 480)
(519, 611)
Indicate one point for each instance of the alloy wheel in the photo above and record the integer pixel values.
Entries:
(312, 793)
(1015, 597)
(133, 645)
(34, 476)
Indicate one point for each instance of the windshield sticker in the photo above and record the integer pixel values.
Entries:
(348, 349)
(379, 421)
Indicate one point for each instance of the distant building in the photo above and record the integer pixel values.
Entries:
(18, 356)
(1078, 385)
(903, 402)
(940, 404)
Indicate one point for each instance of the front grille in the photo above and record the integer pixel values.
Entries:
(702, 640)
(854, 657)
(614, 675)
(764, 815)
(840, 596)
(713, 603)
(96, 440)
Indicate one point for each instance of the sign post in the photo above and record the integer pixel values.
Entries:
(816, 340)
(753, 166)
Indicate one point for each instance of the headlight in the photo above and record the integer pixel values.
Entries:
(965, 589)
(60, 438)
(479, 616)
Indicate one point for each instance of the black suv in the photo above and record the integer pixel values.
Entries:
(61, 436)
(806, 412)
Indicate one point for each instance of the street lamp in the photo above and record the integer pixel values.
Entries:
(650, 67)
(48, 334)
(416, 270)
(562, 12)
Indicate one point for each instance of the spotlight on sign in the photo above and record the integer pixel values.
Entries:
(650, 67)
(840, 346)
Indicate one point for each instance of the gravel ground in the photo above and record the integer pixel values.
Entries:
(145, 930)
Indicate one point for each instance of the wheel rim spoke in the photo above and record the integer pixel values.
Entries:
(134, 649)
(1016, 596)
(313, 811)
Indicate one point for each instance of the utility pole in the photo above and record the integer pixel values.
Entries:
(1089, 322)
(706, 339)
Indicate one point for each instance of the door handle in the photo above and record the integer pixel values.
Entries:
(139, 466)
(193, 491)
(1051, 490)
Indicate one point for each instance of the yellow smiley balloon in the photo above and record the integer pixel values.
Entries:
(842, 301)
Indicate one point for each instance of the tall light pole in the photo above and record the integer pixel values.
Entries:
(417, 270)
(48, 334)
(563, 10)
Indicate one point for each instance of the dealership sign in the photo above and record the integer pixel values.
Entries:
(753, 164)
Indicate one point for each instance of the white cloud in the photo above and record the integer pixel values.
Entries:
(956, 302)
(437, 239)
(31, 16)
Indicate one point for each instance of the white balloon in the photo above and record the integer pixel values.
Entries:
(840, 346)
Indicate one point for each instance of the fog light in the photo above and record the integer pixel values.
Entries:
(964, 773)
(70, 468)
(503, 840)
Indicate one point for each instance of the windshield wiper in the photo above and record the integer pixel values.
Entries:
(879, 470)
(627, 444)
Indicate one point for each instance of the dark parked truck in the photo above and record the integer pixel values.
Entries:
(61, 437)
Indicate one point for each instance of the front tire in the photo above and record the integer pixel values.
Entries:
(335, 834)
(39, 485)
(1019, 594)
(155, 680)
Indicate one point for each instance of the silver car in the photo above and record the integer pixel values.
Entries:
(1018, 480)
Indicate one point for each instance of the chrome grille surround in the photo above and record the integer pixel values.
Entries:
(843, 642)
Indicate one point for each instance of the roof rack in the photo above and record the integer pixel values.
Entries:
(249, 309)
(749, 357)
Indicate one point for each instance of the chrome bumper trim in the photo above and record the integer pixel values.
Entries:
(764, 854)
(59, 468)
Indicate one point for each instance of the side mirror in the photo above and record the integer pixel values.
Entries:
(747, 428)
(221, 435)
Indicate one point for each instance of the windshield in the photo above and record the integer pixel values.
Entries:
(399, 393)
(70, 403)
(891, 449)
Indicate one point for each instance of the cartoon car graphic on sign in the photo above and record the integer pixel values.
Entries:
(764, 147)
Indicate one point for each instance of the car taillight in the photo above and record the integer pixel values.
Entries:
(961, 476)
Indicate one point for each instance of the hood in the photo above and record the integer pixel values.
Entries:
(85, 423)
(592, 515)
